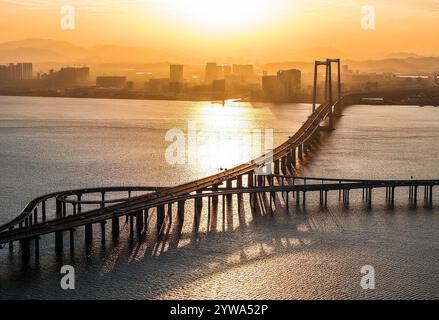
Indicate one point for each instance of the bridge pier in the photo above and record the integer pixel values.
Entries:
(289, 161)
(276, 167)
(293, 157)
(160, 218)
(115, 227)
(346, 193)
(284, 165)
(43, 210)
(131, 220)
(103, 233)
(300, 152)
(250, 177)
(59, 241)
(369, 197)
(25, 248)
(88, 234)
(239, 182)
(198, 207)
(79, 199)
(304, 199)
(145, 219)
(36, 215)
(72, 240)
(139, 222)
(180, 211)
(37, 249)
(58, 208)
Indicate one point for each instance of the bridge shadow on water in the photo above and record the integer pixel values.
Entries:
(150, 266)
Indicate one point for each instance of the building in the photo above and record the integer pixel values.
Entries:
(14, 72)
(68, 75)
(111, 82)
(290, 83)
(227, 70)
(27, 71)
(213, 72)
(285, 86)
(244, 71)
(271, 87)
(176, 73)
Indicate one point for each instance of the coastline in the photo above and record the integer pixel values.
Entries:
(146, 98)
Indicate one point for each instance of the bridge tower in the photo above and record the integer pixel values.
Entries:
(328, 87)
(337, 106)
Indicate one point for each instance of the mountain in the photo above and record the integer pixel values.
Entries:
(402, 55)
(45, 50)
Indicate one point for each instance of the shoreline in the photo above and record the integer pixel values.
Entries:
(191, 99)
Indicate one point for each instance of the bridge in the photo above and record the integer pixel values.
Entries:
(70, 210)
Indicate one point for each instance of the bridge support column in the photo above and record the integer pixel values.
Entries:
(131, 226)
(58, 205)
(145, 218)
(369, 197)
(284, 165)
(43, 210)
(11, 243)
(198, 208)
(250, 177)
(289, 161)
(79, 198)
(293, 157)
(276, 167)
(103, 223)
(326, 198)
(180, 211)
(25, 248)
(59, 241)
(139, 222)
(392, 196)
(88, 234)
(415, 195)
(37, 249)
(115, 227)
(160, 218)
(300, 152)
(239, 182)
(36, 215)
(72, 240)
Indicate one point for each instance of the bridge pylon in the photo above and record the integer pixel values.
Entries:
(328, 87)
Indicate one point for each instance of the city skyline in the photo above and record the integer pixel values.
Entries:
(260, 30)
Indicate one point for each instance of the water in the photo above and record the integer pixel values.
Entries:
(52, 144)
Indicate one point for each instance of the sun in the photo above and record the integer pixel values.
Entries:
(218, 15)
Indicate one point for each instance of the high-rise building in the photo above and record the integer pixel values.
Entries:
(27, 70)
(176, 73)
(290, 83)
(69, 75)
(211, 72)
(18, 71)
(285, 86)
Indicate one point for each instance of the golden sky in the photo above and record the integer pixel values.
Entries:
(263, 28)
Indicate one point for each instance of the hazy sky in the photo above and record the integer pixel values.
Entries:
(259, 27)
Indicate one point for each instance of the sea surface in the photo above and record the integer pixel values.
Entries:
(52, 144)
